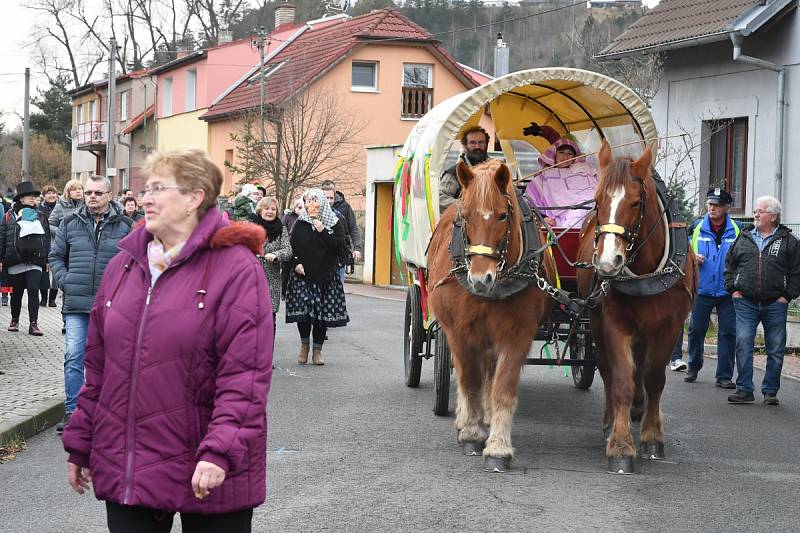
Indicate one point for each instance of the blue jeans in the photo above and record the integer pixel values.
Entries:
(772, 316)
(77, 324)
(677, 350)
(341, 274)
(726, 336)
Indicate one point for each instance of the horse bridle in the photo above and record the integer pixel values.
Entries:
(498, 253)
(628, 234)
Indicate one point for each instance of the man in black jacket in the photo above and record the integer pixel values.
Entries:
(351, 229)
(762, 272)
(84, 244)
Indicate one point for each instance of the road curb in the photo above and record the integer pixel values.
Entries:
(46, 415)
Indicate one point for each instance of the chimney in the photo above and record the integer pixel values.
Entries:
(284, 14)
(501, 52)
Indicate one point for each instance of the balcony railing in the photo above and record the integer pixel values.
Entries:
(416, 101)
(92, 133)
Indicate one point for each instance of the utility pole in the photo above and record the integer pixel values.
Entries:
(26, 126)
(261, 44)
(111, 152)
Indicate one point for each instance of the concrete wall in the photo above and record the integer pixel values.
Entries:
(703, 83)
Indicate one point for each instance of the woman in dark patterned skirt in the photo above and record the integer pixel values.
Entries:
(315, 295)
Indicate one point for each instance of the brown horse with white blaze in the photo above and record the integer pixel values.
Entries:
(634, 335)
(489, 338)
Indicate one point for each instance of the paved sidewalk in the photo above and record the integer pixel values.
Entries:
(32, 386)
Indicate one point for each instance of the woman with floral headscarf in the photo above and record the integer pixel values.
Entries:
(566, 178)
(315, 295)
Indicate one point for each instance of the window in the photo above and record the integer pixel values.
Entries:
(365, 76)
(123, 105)
(166, 99)
(91, 111)
(191, 90)
(417, 90)
(728, 158)
(79, 115)
(124, 179)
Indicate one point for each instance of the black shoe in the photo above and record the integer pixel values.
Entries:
(61, 425)
(43, 302)
(726, 384)
(741, 396)
(52, 303)
(771, 399)
(691, 376)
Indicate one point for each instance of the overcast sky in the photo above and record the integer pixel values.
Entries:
(16, 27)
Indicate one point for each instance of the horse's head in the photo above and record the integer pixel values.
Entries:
(621, 198)
(487, 213)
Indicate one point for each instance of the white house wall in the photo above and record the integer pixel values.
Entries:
(703, 83)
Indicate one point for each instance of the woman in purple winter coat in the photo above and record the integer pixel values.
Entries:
(178, 364)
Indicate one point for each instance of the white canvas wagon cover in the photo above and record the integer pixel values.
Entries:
(584, 104)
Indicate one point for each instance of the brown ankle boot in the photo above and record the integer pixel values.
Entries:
(316, 357)
(302, 358)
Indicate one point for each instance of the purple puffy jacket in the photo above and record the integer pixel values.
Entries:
(178, 374)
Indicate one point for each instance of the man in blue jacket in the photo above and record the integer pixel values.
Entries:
(85, 242)
(711, 238)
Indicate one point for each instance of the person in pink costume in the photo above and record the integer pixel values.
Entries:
(563, 180)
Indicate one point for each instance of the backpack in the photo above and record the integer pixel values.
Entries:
(30, 248)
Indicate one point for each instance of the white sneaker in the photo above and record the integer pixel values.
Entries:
(678, 365)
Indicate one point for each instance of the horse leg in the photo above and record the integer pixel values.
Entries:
(619, 449)
(469, 414)
(637, 409)
(498, 452)
(651, 433)
(490, 365)
(605, 373)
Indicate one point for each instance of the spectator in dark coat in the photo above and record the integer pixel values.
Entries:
(130, 208)
(173, 417)
(288, 222)
(48, 287)
(762, 273)
(21, 272)
(84, 244)
(351, 229)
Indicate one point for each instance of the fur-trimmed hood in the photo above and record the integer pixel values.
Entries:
(250, 235)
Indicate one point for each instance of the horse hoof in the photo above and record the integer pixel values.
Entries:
(652, 450)
(621, 465)
(473, 448)
(497, 465)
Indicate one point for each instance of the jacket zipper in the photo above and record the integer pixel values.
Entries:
(131, 403)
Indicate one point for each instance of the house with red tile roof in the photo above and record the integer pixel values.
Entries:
(383, 70)
(726, 83)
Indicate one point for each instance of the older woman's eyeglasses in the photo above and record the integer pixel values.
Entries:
(158, 188)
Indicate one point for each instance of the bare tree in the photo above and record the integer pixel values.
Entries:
(311, 138)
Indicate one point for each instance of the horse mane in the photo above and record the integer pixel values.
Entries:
(614, 175)
(483, 187)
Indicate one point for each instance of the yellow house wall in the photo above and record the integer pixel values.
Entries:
(182, 131)
(383, 237)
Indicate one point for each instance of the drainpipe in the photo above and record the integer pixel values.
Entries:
(736, 39)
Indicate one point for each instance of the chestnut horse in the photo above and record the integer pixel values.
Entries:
(634, 335)
(489, 338)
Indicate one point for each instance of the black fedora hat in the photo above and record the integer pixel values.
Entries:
(26, 188)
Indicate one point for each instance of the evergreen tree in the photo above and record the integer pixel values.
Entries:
(54, 119)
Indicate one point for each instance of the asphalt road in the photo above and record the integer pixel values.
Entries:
(353, 449)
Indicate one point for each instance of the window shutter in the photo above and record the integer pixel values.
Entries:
(128, 97)
(117, 109)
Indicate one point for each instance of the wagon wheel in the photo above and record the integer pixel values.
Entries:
(413, 338)
(582, 375)
(441, 375)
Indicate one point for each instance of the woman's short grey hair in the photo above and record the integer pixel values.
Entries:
(772, 206)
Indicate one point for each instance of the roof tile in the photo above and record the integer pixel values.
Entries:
(677, 20)
(316, 50)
